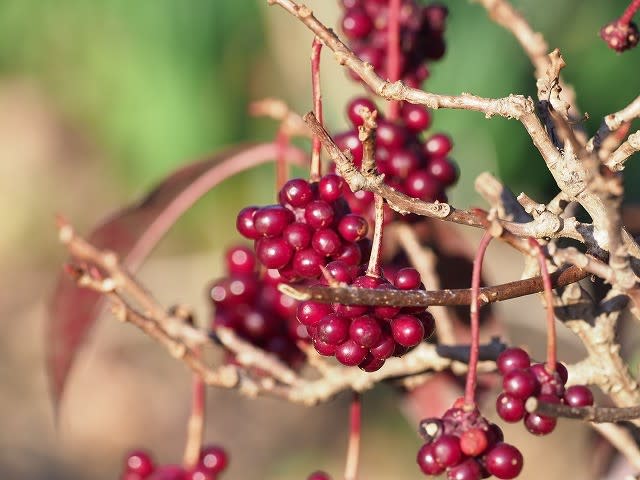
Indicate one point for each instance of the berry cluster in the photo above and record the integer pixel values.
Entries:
(366, 23)
(311, 226)
(139, 465)
(468, 447)
(364, 335)
(420, 169)
(522, 380)
(251, 305)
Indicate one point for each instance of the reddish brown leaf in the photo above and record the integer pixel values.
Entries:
(132, 233)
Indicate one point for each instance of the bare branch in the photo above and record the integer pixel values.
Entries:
(618, 158)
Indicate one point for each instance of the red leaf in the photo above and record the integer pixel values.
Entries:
(132, 233)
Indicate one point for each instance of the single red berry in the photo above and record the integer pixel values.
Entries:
(467, 470)
(416, 117)
(473, 442)
(326, 242)
(446, 449)
(296, 192)
(427, 461)
(353, 227)
(539, 424)
(578, 396)
(438, 145)
(620, 36)
(390, 135)
(271, 220)
(407, 279)
(444, 170)
(310, 313)
(298, 235)
(355, 107)
(513, 359)
(349, 353)
(273, 252)
(333, 329)
(511, 409)
(323, 348)
(407, 330)
(356, 23)
(385, 346)
(365, 331)
(307, 262)
(385, 312)
(421, 184)
(340, 271)
(349, 141)
(402, 162)
(200, 473)
(139, 462)
(520, 383)
(240, 260)
(318, 214)
(371, 363)
(214, 458)
(349, 254)
(504, 461)
(330, 187)
(244, 223)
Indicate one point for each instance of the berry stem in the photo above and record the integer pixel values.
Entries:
(629, 12)
(316, 167)
(393, 53)
(472, 374)
(548, 295)
(282, 167)
(353, 450)
(195, 427)
(373, 269)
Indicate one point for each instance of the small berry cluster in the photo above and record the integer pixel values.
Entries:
(522, 380)
(467, 446)
(139, 465)
(420, 169)
(364, 335)
(311, 226)
(251, 305)
(366, 23)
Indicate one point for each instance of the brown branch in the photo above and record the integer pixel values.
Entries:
(613, 122)
(422, 298)
(591, 414)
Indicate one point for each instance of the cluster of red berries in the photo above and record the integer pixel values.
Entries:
(366, 22)
(311, 226)
(139, 465)
(365, 335)
(250, 304)
(420, 169)
(522, 380)
(466, 446)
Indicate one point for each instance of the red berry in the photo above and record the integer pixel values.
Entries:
(349, 254)
(512, 359)
(306, 263)
(240, 260)
(447, 450)
(356, 23)
(271, 220)
(407, 279)
(390, 135)
(273, 252)
(333, 329)
(438, 145)
(416, 117)
(371, 363)
(539, 424)
(200, 473)
(298, 235)
(443, 170)
(427, 461)
(473, 442)
(296, 192)
(354, 108)
(330, 187)
(365, 331)
(520, 384)
(510, 408)
(349, 141)
(421, 184)
(349, 353)
(402, 162)
(407, 330)
(244, 223)
(385, 346)
(139, 462)
(310, 313)
(504, 461)
(318, 214)
(319, 476)
(324, 348)
(353, 227)
(326, 242)
(467, 470)
(578, 396)
(168, 472)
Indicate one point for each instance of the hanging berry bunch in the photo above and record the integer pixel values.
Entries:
(364, 335)
(310, 227)
(419, 168)
(248, 302)
(139, 465)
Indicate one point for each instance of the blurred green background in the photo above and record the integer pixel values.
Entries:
(99, 100)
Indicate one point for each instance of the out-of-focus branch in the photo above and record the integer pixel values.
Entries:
(617, 159)
(613, 122)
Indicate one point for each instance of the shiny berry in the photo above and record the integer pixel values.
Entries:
(390, 135)
(296, 192)
(307, 262)
(504, 461)
(385, 346)
(339, 271)
(510, 408)
(467, 470)
(355, 107)
(333, 329)
(371, 363)
(353, 227)
(245, 225)
(298, 235)
(240, 260)
(421, 184)
(200, 473)
(365, 331)
(416, 117)
(326, 242)
(273, 252)
(350, 141)
(324, 348)
(520, 384)
(330, 187)
(539, 424)
(513, 359)
(139, 462)
(427, 461)
(310, 313)
(350, 254)
(447, 451)
(407, 330)
(356, 23)
(349, 353)
(407, 279)
(318, 214)
(271, 220)
(438, 145)
(443, 170)
(578, 396)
